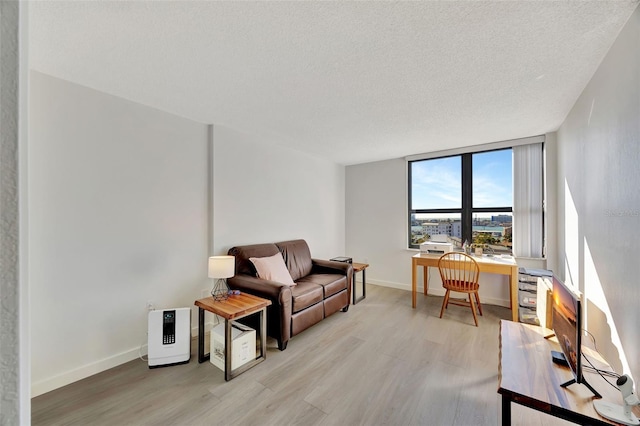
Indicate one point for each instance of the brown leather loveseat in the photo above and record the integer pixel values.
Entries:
(322, 287)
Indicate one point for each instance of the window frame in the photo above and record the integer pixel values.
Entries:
(466, 210)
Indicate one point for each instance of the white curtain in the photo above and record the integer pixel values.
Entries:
(527, 201)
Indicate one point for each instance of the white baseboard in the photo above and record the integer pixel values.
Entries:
(80, 373)
(438, 291)
(68, 377)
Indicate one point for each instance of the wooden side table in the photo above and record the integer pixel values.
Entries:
(235, 307)
(357, 267)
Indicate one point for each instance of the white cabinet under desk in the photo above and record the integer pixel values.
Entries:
(534, 296)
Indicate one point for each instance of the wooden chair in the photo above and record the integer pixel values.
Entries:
(459, 273)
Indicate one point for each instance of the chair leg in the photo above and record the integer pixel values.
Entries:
(445, 302)
(479, 305)
(473, 309)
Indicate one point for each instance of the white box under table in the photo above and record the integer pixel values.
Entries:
(237, 306)
(243, 346)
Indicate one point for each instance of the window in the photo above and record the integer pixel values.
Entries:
(468, 197)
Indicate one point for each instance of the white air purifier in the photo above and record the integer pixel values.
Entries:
(169, 337)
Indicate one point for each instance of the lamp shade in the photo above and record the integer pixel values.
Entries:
(222, 266)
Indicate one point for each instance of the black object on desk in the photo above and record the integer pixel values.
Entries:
(558, 358)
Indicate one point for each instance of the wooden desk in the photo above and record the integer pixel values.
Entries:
(528, 377)
(491, 265)
(235, 307)
(357, 267)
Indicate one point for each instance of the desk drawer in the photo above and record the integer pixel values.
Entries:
(526, 299)
(528, 316)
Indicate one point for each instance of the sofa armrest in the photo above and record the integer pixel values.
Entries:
(258, 287)
(321, 266)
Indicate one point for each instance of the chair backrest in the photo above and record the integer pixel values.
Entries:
(459, 272)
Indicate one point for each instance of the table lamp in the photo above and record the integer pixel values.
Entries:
(221, 268)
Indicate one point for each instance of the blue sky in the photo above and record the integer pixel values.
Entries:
(437, 183)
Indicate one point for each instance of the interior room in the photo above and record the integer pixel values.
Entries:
(149, 136)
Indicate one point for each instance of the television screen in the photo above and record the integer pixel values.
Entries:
(567, 325)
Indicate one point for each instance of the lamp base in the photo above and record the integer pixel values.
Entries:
(220, 290)
(616, 413)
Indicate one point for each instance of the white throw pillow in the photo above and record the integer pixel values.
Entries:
(272, 268)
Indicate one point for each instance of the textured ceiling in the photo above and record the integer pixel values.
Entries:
(351, 81)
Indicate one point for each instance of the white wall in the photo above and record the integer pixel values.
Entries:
(376, 218)
(551, 200)
(376, 221)
(118, 216)
(267, 193)
(599, 200)
(14, 318)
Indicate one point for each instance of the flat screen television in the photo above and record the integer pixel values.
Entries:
(567, 326)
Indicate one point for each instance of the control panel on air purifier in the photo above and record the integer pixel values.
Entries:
(168, 327)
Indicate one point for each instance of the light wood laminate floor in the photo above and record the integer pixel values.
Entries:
(381, 363)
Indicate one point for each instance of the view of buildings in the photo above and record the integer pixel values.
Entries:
(493, 232)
